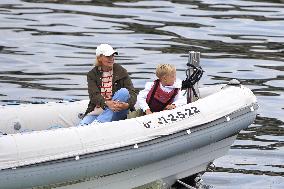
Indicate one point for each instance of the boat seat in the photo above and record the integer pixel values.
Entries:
(135, 113)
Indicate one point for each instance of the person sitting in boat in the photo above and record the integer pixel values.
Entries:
(110, 89)
(162, 94)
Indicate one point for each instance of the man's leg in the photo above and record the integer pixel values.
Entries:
(87, 120)
(108, 115)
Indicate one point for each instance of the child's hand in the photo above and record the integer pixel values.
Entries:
(170, 107)
(148, 111)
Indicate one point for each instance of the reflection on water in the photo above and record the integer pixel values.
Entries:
(47, 47)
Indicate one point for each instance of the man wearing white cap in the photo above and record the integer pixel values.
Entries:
(110, 89)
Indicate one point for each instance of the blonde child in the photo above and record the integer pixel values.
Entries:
(162, 94)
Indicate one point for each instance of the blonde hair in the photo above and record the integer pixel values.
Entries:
(164, 69)
(97, 62)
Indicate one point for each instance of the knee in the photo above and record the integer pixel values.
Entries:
(121, 95)
(124, 92)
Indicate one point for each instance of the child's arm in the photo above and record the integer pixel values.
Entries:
(180, 99)
(142, 96)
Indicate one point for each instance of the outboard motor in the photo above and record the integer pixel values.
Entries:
(194, 73)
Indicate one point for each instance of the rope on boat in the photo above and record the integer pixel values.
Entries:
(192, 79)
(185, 185)
(1, 133)
(194, 73)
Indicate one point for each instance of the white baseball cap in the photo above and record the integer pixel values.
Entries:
(106, 50)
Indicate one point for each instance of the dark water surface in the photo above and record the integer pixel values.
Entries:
(47, 46)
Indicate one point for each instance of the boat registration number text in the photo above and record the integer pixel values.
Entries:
(173, 117)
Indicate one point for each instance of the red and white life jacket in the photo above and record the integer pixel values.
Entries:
(157, 99)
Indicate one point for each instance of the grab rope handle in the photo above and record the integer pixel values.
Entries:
(1, 133)
(193, 74)
(192, 79)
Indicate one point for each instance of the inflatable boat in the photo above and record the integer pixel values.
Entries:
(42, 146)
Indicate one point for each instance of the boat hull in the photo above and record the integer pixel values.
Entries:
(180, 147)
(167, 171)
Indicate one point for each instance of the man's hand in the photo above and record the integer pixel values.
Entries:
(121, 106)
(110, 104)
(117, 106)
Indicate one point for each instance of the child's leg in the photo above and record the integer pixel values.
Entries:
(108, 115)
(88, 119)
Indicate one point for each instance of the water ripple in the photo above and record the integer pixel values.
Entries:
(48, 46)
